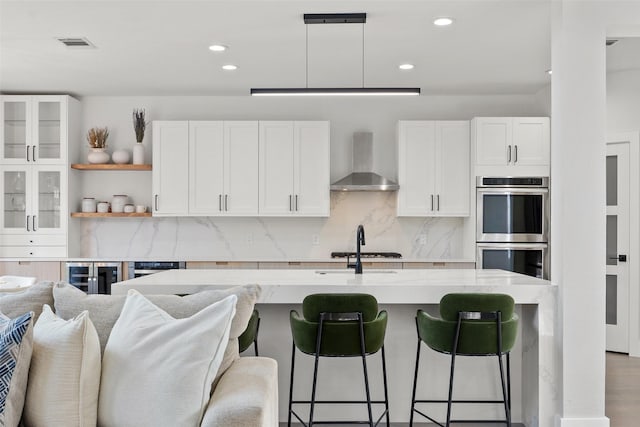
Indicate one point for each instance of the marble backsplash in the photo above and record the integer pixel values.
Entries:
(275, 239)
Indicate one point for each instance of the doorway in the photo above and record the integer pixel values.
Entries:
(621, 280)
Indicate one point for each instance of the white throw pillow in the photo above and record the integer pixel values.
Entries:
(64, 379)
(157, 370)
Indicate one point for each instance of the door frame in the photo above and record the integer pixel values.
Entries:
(633, 138)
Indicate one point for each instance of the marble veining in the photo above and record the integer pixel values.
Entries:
(276, 238)
(535, 362)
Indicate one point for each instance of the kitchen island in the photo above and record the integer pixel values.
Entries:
(535, 390)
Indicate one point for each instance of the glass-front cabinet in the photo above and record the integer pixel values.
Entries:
(34, 145)
(33, 200)
(34, 129)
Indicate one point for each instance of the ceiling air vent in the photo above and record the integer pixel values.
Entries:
(75, 42)
(611, 42)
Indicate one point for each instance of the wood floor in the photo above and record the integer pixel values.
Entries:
(622, 402)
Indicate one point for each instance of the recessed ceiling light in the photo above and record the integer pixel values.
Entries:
(229, 67)
(218, 48)
(549, 72)
(406, 66)
(442, 22)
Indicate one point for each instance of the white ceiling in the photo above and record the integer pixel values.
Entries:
(160, 47)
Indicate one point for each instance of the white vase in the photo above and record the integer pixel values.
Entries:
(98, 156)
(121, 157)
(138, 154)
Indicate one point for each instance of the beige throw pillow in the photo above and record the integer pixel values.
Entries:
(64, 379)
(104, 310)
(14, 304)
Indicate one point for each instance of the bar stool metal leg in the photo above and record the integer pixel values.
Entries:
(505, 398)
(386, 392)
(293, 362)
(415, 379)
(364, 367)
(453, 366)
(315, 370)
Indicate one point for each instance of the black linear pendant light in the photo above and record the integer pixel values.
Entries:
(336, 18)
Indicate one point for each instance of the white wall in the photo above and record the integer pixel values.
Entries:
(623, 101)
(226, 238)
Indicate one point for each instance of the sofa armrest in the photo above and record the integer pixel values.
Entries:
(246, 396)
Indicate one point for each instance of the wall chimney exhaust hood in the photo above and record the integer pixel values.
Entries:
(363, 178)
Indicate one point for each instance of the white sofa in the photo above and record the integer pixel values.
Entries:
(245, 392)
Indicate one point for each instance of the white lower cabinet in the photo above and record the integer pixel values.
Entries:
(294, 168)
(433, 168)
(34, 211)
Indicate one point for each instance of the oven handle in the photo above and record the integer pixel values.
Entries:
(517, 246)
(516, 190)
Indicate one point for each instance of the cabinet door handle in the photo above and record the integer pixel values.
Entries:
(226, 202)
(509, 154)
(220, 202)
(290, 205)
(156, 202)
(28, 217)
(296, 202)
(438, 202)
(33, 152)
(28, 146)
(432, 202)
(33, 221)
(515, 153)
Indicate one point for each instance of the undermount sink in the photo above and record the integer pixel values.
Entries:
(350, 271)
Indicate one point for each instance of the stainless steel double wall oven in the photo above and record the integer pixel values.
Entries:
(512, 231)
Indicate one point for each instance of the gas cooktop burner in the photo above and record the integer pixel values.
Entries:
(366, 255)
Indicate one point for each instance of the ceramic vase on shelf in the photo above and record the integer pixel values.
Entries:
(120, 157)
(98, 156)
(138, 153)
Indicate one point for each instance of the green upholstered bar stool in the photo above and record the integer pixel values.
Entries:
(470, 325)
(339, 325)
(250, 335)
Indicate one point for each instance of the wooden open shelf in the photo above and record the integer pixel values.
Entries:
(109, 215)
(110, 166)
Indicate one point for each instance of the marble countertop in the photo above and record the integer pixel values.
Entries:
(388, 286)
(265, 260)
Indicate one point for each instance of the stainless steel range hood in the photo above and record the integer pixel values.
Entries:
(363, 178)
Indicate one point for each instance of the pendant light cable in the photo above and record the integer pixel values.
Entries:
(306, 70)
(334, 18)
(363, 54)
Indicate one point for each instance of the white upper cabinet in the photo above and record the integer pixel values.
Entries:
(294, 168)
(276, 168)
(311, 168)
(206, 168)
(34, 129)
(433, 169)
(240, 168)
(531, 136)
(170, 168)
(511, 146)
